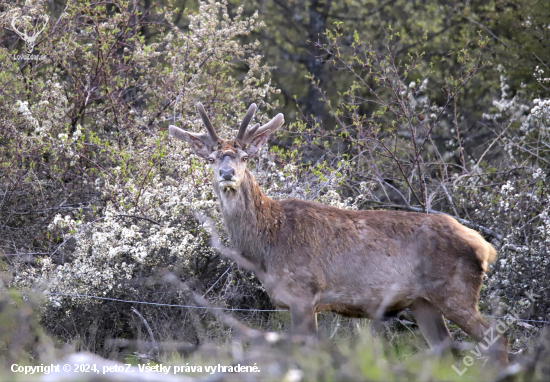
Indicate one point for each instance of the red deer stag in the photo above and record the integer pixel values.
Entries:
(355, 263)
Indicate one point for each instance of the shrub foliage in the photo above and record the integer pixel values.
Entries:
(96, 200)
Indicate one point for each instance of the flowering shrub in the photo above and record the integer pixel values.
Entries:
(122, 244)
(97, 199)
(518, 208)
(406, 146)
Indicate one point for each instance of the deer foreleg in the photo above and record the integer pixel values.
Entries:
(304, 320)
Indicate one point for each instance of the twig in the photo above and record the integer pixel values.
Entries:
(461, 150)
(213, 285)
(155, 346)
(492, 143)
(169, 102)
(449, 198)
(488, 30)
(226, 319)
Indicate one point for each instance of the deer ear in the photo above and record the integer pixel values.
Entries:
(257, 142)
(199, 143)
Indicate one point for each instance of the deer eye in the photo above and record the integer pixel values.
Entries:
(211, 160)
(245, 158)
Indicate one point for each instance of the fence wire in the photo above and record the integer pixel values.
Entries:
(213, 308)
(216, 308)
(162, 304)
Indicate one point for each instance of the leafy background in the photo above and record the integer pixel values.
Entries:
(430, 106)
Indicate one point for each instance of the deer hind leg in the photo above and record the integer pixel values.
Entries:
(432, 326)
(489, 340)
(303, 321)
(377, 328)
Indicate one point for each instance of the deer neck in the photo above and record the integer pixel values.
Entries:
(252, 219)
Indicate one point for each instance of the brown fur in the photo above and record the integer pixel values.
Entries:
(269, 214)
(348, 261)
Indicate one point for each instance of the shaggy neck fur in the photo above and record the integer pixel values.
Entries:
(252, 220)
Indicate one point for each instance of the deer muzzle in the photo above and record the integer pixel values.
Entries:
(227, 177)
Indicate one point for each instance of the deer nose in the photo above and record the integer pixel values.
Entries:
(227, 173)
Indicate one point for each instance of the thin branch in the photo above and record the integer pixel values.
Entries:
(488, 30)
(492, 143)
(226, 319)
(149, 330)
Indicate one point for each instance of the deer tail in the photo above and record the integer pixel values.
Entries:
(491, 253)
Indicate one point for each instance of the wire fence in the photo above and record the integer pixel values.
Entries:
(162, 304)
(521, 319)
(216, 308)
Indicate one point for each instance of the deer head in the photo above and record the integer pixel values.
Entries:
(228, 158)
(30, 40)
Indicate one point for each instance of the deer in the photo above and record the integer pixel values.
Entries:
(357, 263)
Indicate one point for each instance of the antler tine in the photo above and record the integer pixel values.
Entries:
(272, 125)
(207, 123)
(247, 118)
(251, 132)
